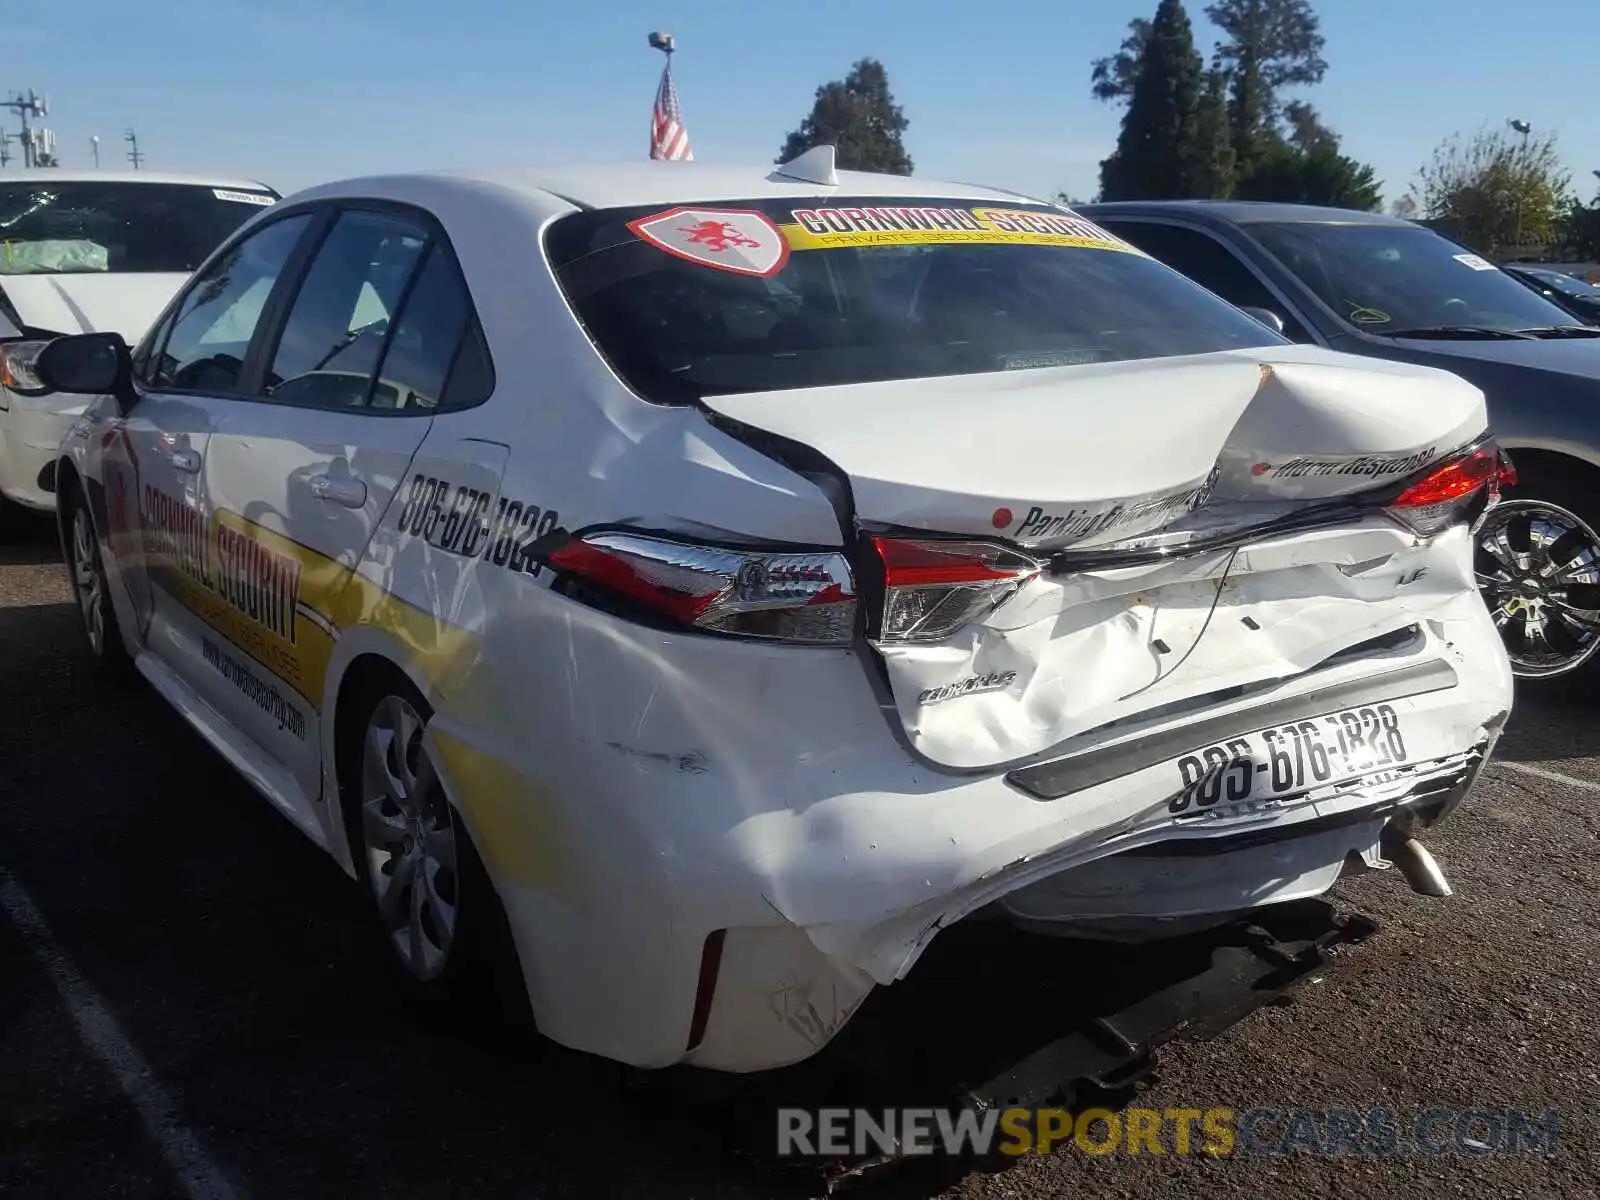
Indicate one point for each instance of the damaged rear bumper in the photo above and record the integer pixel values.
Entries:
(735, 847)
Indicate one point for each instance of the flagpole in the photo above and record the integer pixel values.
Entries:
(667, 137)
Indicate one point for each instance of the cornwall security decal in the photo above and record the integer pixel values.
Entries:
(919, 225)
(255, 581)
(456, 518)
(243, 581)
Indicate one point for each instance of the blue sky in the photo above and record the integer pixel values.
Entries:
(306, 90)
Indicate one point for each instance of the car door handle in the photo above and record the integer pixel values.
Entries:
(346, 490)
(187, 461)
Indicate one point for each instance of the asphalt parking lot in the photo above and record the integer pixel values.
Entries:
(190, 1004)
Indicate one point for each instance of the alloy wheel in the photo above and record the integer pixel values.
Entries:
(86, 580)
(1538, 568)
(409, 839)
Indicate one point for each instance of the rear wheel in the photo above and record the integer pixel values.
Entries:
(444, 931)
(1537, 559)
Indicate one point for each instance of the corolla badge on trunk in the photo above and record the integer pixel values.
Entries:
(966, 687)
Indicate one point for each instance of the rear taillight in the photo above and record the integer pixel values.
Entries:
(804, 597)
(932, 588)
(1448, 493)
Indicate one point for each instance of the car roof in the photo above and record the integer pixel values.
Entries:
(62, 175)
(627, 185)
(1242, 212)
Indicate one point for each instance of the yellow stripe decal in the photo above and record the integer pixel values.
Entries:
(911, 225)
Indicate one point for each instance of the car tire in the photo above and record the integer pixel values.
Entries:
(440, 921)
(91, 590)
(1537, 559)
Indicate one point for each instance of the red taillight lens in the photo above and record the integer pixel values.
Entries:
(795, 597)
(1440, 498)
(933, 588)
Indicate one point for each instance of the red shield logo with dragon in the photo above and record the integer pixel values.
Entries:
(739, 240)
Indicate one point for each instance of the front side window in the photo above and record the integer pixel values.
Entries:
(75, 228)
(1402, 279)
(773, 295)
(212, 325)
(334, 336)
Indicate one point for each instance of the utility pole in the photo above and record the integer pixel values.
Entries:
(31, 105)
(5, 148)
(133, 154)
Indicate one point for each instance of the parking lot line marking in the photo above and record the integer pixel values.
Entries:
(97, 1029)
(1545, 773)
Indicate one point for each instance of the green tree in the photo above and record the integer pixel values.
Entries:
(1160, 151)
(1319, 174)
(1267, 45)
(1216, 163)
(1305, 165)
(858, 116)
(1495, 191)
(1580, 231)
(1113, 76)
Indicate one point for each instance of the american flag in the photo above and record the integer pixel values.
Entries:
(668, 138)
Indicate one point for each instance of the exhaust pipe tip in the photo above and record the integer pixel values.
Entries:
(1420, 869)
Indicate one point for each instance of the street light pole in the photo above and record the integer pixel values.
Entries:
(1524, 128)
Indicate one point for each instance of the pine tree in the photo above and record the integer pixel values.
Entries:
(858, 116)
(1161, 152)
(1268, 45)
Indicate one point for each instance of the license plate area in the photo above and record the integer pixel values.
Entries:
(1287, 760)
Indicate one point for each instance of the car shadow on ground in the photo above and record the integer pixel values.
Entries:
(27, 538)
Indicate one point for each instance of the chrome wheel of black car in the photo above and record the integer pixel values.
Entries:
(1538, 567)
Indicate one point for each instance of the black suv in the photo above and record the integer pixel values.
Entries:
(1366, 283)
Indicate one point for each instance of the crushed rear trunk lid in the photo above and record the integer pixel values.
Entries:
(1053, 469)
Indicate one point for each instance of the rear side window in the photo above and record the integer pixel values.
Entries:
(766, 296)
(426, 339)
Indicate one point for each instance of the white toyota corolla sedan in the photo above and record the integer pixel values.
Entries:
(693, 588)
(85, 252)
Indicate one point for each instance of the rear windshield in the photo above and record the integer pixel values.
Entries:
(764, 296)
(75, 228)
